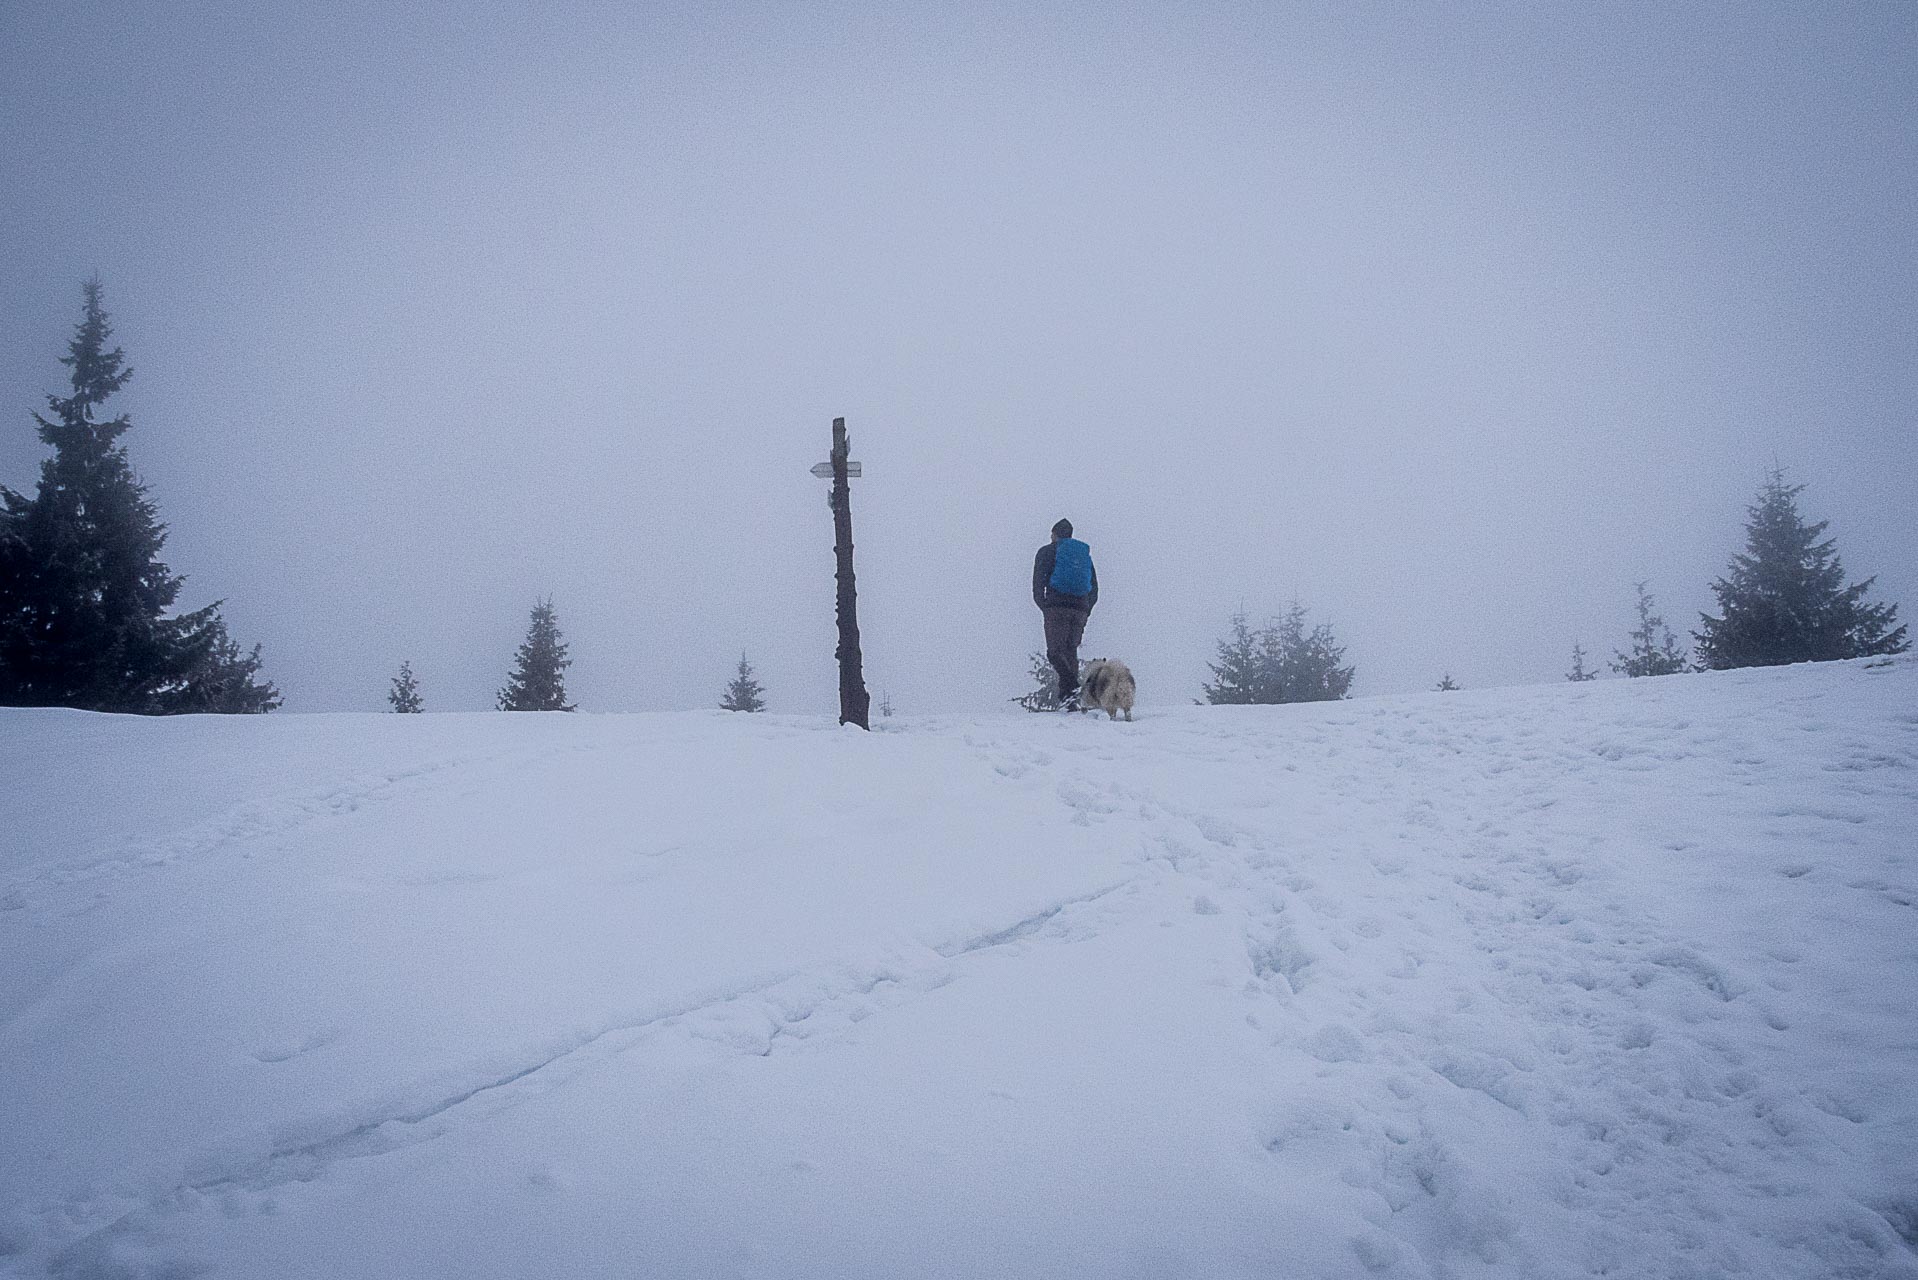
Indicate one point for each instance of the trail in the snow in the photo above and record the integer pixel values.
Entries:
(1558, 965)
(800, 1006)
(1525, 983)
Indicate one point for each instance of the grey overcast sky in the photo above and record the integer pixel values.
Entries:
(1450, 320)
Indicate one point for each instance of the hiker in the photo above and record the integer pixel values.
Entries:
(1065, 586)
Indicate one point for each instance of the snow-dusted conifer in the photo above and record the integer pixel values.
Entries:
(1785, 598)
(405, 693)
(1239, 676)
(1446, 684)
(538, 681)
(85, 601)
(1579, 672)
(744, 693)
(1654, 650)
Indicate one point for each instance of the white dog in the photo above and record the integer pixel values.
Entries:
(1107, 685)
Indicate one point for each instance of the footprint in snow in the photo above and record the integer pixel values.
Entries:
(1336, 1043)
(287, 1050)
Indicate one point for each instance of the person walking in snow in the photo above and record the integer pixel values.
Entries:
(1065, 586)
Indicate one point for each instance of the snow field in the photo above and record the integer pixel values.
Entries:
(1612, 979)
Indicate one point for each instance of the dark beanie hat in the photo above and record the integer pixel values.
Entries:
(1063, 528)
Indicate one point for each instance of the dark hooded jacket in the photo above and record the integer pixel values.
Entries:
(1045, 597)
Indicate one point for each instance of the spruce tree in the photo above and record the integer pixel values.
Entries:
(220, 678)
(1305, 664)
(538, 681)
(1280, 642)
(1785, 598)
(1239, 676)
(405, 693)
(743, 694)
(1280, 662)
(1652, 653)
(1323, 679)
(85, 601)
(1579, 672)
(1044, 694)
(1446, 684)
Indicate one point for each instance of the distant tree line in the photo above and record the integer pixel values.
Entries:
(537, 681)
(1784, 599)
(87, 606)
(88, 617)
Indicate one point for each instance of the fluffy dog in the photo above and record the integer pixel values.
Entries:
(1107, 685)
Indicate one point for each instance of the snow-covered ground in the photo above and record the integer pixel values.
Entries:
(1609, 979)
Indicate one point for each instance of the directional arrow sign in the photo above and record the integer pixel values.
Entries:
(824, 469)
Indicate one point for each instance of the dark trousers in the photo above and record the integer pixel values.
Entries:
(1065, 628)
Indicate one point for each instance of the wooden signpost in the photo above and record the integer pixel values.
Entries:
(854, 702)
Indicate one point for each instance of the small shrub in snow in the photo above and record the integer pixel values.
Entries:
(1651, 653)
(744, 693)
(405, 693)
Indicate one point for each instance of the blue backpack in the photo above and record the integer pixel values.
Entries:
(1071, 568)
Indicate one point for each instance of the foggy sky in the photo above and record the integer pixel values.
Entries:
(1450, 321)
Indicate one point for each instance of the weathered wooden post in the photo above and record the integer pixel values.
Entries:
(854, 702)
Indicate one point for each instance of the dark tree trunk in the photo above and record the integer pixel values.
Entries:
(854, 702)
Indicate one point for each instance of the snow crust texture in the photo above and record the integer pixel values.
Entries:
(1612, 979)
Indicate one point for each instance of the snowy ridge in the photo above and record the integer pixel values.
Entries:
(1611, 979)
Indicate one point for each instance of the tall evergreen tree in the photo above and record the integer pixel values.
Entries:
(405, 693)
(1579, 672)
(1654, 650)
(744, 693)
(85, 601)
(538, 681)
(1785, 598)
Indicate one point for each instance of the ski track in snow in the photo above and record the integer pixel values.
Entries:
(253, 823)
(1447, 932)
(753, 1020)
